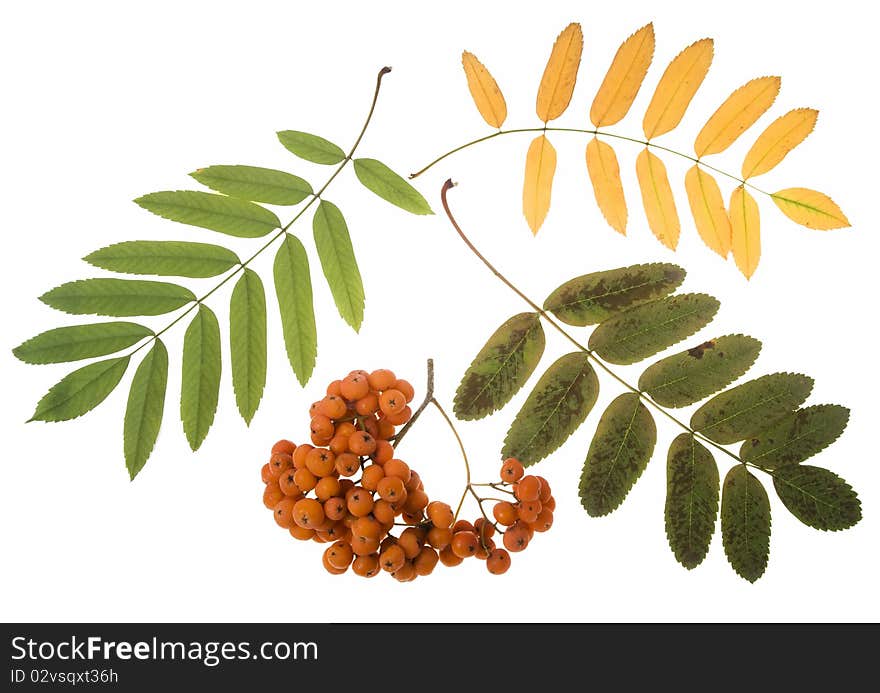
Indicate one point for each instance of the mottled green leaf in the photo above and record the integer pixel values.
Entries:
(81, 391)
(796, 436)
(381, 180)
(745, 523)
(560, 402)
(227, 215)
(200, 383)
(146, 403)
(247, 342)
(594, 297)
(164, 258)
(255, 184)
(649, 328)
(688, 377)
(621, 449)
(502, 367)
(338, 262)
(745, 410)
(293, 287)
(311, 147)
(80, 342)
(117, 297)
(692, 490)
(817, 497)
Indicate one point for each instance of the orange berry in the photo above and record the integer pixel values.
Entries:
(367, 405)
(449, 558)
(546, 492)
(440, 514)
(392, 558)
(283, 511)
(439, 537)
(362, 443)
(413, 518)
(320, 441)
(347, 464)
(528, 511)
(328, 487)
(335, 508)
(411, 540)
(339, 554)
(366, 527)
(426, 561)
(366, 566)
(345, 485)
(399, 418)
(359, 501)
(364, 546)
(299, 457)
(528, 488)
(284, 446)
(308, 512)
(383, 511)
(392, 402)
(516, 538)
(415, 481)
(505, 513)
(266, 473)
(463, 526)
(544, 521)
(287, 483)
(330, 568)
(512, 470)
(371, 477)
(383, 452)
(381, 379)
(371, 426)
(304, 480)
(390, 488)
(333, 406)
(345, 428)
(384, 429)
(405, 389)
(315, 408)
(398, 468)
(278, 463)
(338, 444)
(416, 502)
(464, 544)
(549, 504)
(498, 561)
(334, 388)
(272, 495)
(301, 533)
(321, 462)
(322, 427)
(354, 387)
(483, 529)
(405, 573)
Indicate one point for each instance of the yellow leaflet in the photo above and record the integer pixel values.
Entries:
(624, 78)
(540, 167)
(781, 136)
(810, 208)
(657, 199)
(677, 87)
(557, 84)
(607, 187)
(736, 115)
(484, 90)
(745, 224)
(707, 207)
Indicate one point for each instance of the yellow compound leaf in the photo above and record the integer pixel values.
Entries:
(707, 207)
(657, 199)
(484, 90)
(810, 208)
(736, 115)
(677, 87)
(781, 136)
(557, 84)
(745, 223)
(540, 167)
(607, 187)
(624, 78)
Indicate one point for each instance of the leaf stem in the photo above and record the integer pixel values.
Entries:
(596, 133)
(429, 395)
(590, 354)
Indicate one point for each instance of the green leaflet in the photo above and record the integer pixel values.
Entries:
(620, 451)
(692, 375)
(247, 342)
(744, 410)
(143, 413)
(81, 391)
(338, 262)
(817, 497)
(381, 180)
(692, 490)
(80, 342)
(293, 287)
(311, 147)
(502, 367)
(745, 523)
(594, 297)
(255, 183)
(649, 328)
(164, 258)
(227, 215)
(560, 402)
(117, 297)
(796, 436)
(200, 384)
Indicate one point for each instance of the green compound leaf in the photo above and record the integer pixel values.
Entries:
(560, 402)
(817, 497)
(255, 183)
(692, 375)
(692, 490)
(592, 298)
(649, 328)
(227, 215)
(339, 263)
(745, 523)
(620, 451)
(80, 342)
(247, 342)
(743, 411)
(117, 297)
(164, 258)
(311, 147)
(200, 386)
(502, 367)
(293, 287)
(380, 179)
(796, 436)
(81, 391)
(146, 403)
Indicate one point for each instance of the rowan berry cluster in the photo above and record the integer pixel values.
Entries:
(310, 489)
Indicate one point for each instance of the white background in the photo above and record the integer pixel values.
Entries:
(106, 101)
